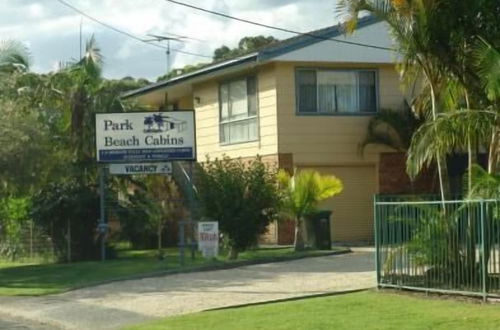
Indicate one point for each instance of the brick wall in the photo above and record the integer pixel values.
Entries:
(394, 180)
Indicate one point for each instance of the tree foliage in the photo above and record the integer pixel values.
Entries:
(14, 56)
(246, 45)
(68, 212)
(48, 136)
(241, 196)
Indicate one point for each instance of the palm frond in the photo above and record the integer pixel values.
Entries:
(14, 55)
(392, 128)
(449, 132)
(488, 63)
(305, 189)
(485, 185)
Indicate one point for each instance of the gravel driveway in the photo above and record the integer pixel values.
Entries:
(126, 302)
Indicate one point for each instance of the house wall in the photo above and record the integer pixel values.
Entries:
(330, 145)
(207, 119)
(394, 180)
(186, 102)
(329, 139)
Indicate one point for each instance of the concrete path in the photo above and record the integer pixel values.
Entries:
(7, 323)
(127, 302)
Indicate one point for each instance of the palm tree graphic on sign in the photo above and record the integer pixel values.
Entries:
(158, 119)
(148, 121)
(157, 123)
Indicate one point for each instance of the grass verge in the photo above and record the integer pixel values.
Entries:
(40, 279)
(365, 310)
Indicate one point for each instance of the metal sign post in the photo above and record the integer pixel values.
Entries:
(102, 227)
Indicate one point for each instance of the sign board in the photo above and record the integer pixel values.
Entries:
(137, 137)
(208, 238)
(141, 168)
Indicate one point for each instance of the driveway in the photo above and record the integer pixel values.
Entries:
(127, 302)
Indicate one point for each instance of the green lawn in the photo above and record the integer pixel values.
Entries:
(364, 310)
(39, 279)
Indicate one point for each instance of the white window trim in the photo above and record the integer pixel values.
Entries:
(249, 118)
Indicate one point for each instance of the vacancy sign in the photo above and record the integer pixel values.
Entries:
(141, 168)
(137, 137)
(208, 238)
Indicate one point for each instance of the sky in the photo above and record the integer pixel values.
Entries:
(51, 30)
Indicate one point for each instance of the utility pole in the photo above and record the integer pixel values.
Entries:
(80, 43)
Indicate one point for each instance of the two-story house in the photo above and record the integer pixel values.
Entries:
(304, 102)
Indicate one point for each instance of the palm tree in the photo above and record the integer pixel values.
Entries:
(301, 194)
(159, 121)
(413, 25)
(455, 131)
(14, 56)
(78, 84)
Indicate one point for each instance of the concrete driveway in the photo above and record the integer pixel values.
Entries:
(127, 302)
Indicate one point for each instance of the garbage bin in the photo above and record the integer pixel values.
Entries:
(318, 230)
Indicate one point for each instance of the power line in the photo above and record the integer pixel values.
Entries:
(125, 33)
(276, 27)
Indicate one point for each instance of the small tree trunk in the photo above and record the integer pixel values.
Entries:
(493, 152)
(160, 254)
(233, 253)
(69, 241)
(442, 169)
(299, 236)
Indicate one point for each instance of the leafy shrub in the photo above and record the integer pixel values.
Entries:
(14, 216)
(243, 197)
(71, 204)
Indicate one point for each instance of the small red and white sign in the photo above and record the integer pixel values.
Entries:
(208, 238)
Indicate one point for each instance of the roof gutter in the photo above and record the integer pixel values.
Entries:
(253, 57)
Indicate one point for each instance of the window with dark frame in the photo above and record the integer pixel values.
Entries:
(322, 91)
(238, 111)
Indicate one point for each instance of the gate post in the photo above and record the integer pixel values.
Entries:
(484, 266)
(376, 238)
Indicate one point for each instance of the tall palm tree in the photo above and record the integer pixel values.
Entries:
(488, 65)
(413, 25)
(301, 194)
(14, 56)
(455, 130)
(78, 83)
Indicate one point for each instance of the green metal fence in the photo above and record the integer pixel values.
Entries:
(450, 247)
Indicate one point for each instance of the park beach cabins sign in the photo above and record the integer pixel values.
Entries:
(136, 137)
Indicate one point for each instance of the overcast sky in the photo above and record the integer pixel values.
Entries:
(51, 30)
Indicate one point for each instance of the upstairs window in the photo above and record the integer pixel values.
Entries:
(238, 111)
(336, 91)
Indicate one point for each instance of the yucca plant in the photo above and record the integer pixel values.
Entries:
(301, 194)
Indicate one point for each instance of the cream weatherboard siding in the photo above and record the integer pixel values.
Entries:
(207, 120)
(329, 139)
(330, 144)
(352, 217)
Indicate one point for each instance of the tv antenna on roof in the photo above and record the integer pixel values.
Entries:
(160, 38)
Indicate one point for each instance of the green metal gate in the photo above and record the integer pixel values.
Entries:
(440, 246)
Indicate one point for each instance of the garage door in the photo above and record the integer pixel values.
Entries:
(352, 218)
